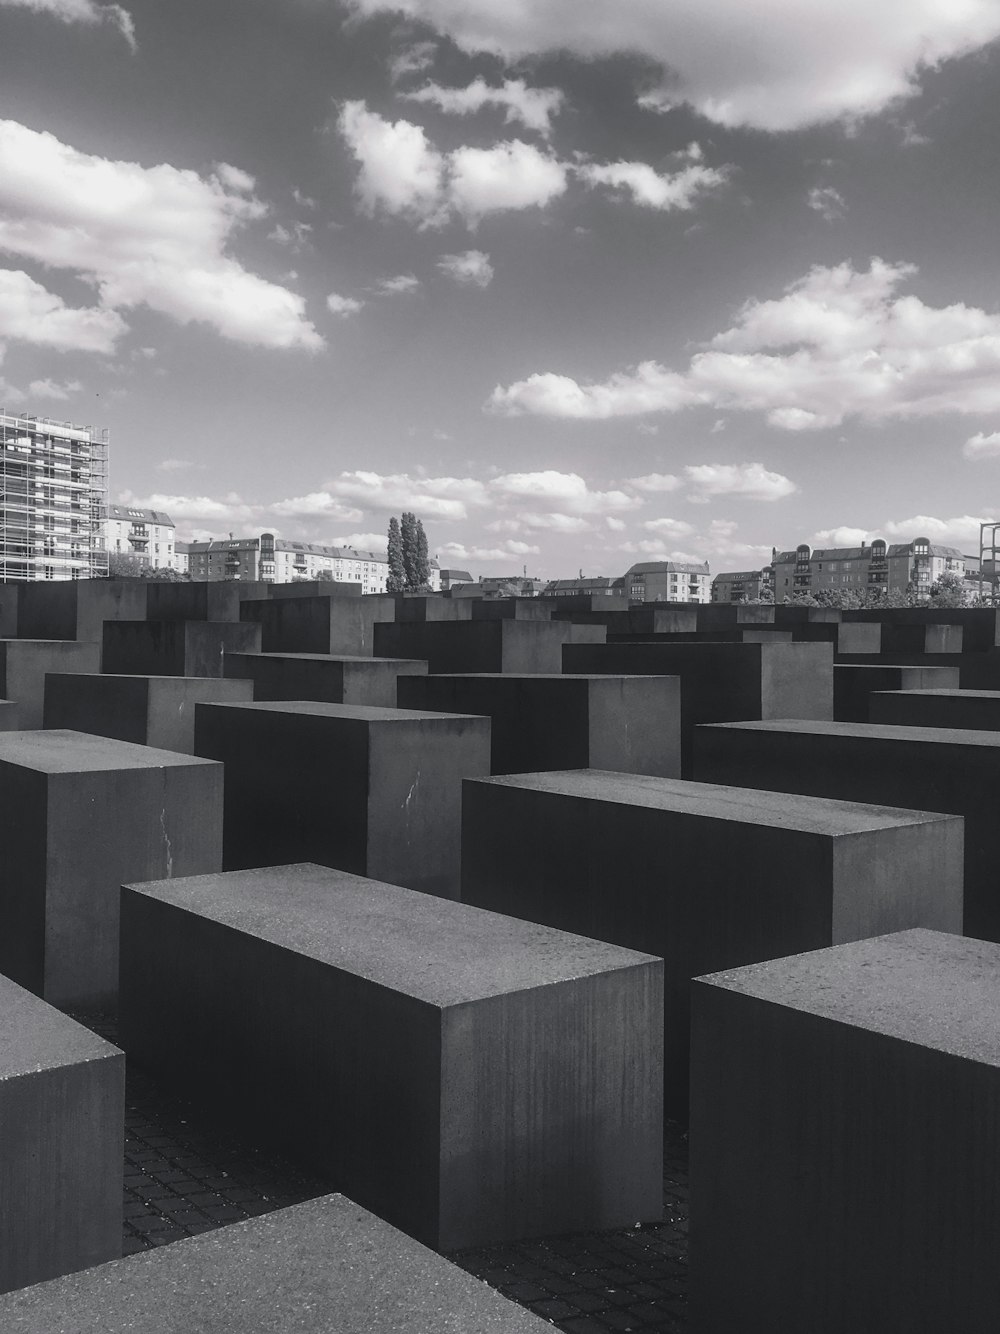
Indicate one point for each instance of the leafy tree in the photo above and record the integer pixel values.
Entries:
(396, 581)
(123, 565)
(423, 570)
(408, 531)
(948, 591)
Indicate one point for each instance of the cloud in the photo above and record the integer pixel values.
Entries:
(50, 389)
(668, 529)
(752, 481)
(508, 176)
(361, 541)
(177, 465)
(230, 509)
(646, 187)
(315, 505)
(566, 489)
(458, 551)
(961, 531)
(773, 65)
(294, 236)
(533, 107)
(656, 482)
(412, 59)
(29, 313)
(401, 284)
(982, 446)
(432, 497)
(344, 306)
(153, 236)
(235, 178)
(81, 11)
(826, 201)
(471, 268)
(838, 343)
(553, 522)
(844, 536)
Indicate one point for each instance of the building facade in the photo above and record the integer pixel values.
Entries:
(595, 585)
(53, 489)
(669, 581)
(744, 585)
(278, 561)
(879, 567)
(145, 535)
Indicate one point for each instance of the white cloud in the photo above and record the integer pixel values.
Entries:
(31, 314)
(827, 201)
(982, 446)
(235, 178)
(472, 267)
(458, 551)
(399, 285)
(568, 490)
(343, 305)
(774, 65)
(230, 509)
(961, 531)
(838, 343)
(844, 536)
(533, 107)
(50, 389)
(675, 191)
(656, 482)
(752, 481)
(432, 497)
(512, 175)
(81, 11)
(412, 60)
(669, 529)
(294, 236)
(554, 522)
(177, 465)
(361, 541)
(616, 525)
(151, 236)
(315, 505)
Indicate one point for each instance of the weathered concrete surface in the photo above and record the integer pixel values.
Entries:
(843, 1106)
(923, 768)
(315, 588)
(470, 1077)
(323, 1267)
(526, 647)
(722, 681)
(9, 593)
(416, 607)
(854, 685)
(201, 600)
(374, 791)
(24, 663)
(81, 814)
(321, 676)
(626, 723)
(78, 608)
(62, 1115)
(149, 710)
(705, 876)
(969, 710)
(980, 625)
(175, 648)
(330, 624)
(721, 616)
(9, 716)
(978, 670)
(508, 609)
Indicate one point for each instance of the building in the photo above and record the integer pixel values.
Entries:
(53, 488)
(744, 585)
(453, 578)
(595, 585)
(669, 581)
(498, 586)
(275, 560)
(182, 557)
(889, 569)
(145, 535)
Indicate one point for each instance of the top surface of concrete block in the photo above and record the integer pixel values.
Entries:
(35, 1036)
(939, 693)
(926, 987)
(437, 951)
(323, 1267)
(329, 657)
(61, 751)
(365, 713)
(937, 736)
(712, 801)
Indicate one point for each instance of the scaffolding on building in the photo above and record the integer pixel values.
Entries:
(988, 554)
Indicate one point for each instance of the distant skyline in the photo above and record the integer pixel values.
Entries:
(733, 285)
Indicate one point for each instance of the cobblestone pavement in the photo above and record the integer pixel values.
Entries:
(185, 1174)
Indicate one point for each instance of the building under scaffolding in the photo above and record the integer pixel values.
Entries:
(53, 493)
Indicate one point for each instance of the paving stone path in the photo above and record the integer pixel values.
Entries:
(185, 1174)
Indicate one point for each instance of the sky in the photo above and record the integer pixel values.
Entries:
(579, 285)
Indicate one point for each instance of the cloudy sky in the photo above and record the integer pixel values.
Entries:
(580, 285)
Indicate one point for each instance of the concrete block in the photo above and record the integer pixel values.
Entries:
(369, 790)
(326, 1265)
(978, 670)
(81, 815)
(149, 710)
(722, 616)
(203, 600)
(62, 1114)
(859, 637)
(175, 648)
(526, 647)
(418, 607)
(509, 609)
(968, 710)
(627, 723)
(78, 608)
(722, 681)
(922, 768)
(706, 876)
(330, 625)
(980, 625)
(844, 1113)
(854, 685)
(469, 1077)
(9, 716)
(8, 610)
(321, 676)
(24, 663)
(309, 588)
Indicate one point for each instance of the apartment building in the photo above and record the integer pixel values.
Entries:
(889, 568)
(145, 535)
(669, 581)
(743, 585)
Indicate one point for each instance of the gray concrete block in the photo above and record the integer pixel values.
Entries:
(922, 768)
(844, 1114)
(175, 648)
(323, 1267)
(62, 1117)
(332, 624)
(508, 609)
(720, 682)
(485, 646)
(374, 791)
(81, 815)
(418, 607)
(9, 594)
(24, 664)
(321, 676)
(200, 600)
(308, 588)
(969, 710)
(469, 1077)
(9, 716)
(627, 723)
(980, 625)
(148, 710)
(78, 608)
(979, 670)
(719, 616)
(853, 685)
(705, 876)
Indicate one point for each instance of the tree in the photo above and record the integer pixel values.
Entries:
(423, 570)
(948, 591)
(408, 531)
(396, 581)
(123, 565)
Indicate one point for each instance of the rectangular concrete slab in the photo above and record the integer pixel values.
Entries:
(175, 648)
(202, 600)
(923, 768)
(23, 667)
(78, 608)
(149, 710)
(722, 681)
(323, 1267)
(321, 676)
(969, 710)
(9, 596)
(307, 588)
(79, 814)
(374, 791)
(331, 624)
(853, 685)
(845, 1113)
(980, 625)
(705, 876)
(627, 723)
(9, 721)
(485, 646)
(470, 1077)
